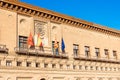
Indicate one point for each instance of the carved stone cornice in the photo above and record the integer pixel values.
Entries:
(30, 10)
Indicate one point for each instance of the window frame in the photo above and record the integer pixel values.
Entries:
(76, 49)
(28, 64)
(8, 63)
(87, 51)
(19, 63)
(97, 52)
(23, 41)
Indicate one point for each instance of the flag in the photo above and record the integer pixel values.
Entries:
(30, 40)
(55, 44)
(63, 45)
(35, 39)
(39, 41)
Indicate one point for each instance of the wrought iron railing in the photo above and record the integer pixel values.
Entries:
(3, 48)
(98, 59)
(38, 52)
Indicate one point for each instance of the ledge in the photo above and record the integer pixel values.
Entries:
(104, 60)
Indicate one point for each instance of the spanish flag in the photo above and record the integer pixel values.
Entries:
(39, 42)
(30, 40)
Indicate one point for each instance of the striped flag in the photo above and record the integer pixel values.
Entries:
(30, 40)
(39, 41)
(56, 44)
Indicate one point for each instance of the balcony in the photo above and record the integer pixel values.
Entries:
(97, 59)
(40, 53)
(3, 49)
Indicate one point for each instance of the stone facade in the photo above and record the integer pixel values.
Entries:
(91, 51)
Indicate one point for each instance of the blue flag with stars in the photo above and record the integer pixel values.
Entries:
(63, 45)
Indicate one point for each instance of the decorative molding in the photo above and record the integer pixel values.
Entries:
(30, 10)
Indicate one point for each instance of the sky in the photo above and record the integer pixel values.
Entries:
(103, 12)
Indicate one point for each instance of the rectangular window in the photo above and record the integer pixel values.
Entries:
(53, 65)
(80, 67)
(19, 63)
(28, 64)
(61, 66)
(68, 66)
(86, 67)
(114, 53)
(74, 66)
(37, 64)
(97, 67)
(8, 63)
(106, 51)
(87, 51)
(23, 41)
(45, 65)
(55, 48)
(75, 49)
(97, 52)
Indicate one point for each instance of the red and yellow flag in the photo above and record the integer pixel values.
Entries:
(55, 44)
(39, 43)
(30, 40)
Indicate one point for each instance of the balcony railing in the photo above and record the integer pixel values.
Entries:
(38, 52)
(3, 49)
(97, 59)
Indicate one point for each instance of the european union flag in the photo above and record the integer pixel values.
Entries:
(63, 45)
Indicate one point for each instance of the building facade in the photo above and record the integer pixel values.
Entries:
(38, 44)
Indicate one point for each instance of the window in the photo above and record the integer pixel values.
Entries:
(61, 66)
(80, 66)
(75, 49)
(110, 68)
(115, 69)
(106, 51)
(86, 67)
(97, 52)
(55, 48)
(101, 68)
(91, 67)
(28, 64)
(74, 66)
(23, 41)
(87, 51)
(68, 66)
(115, 54)
(106, 68)
(37, 64)
(8, 63)
(19, 63)
(53, 65)
(45, 65)
(97, 67)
